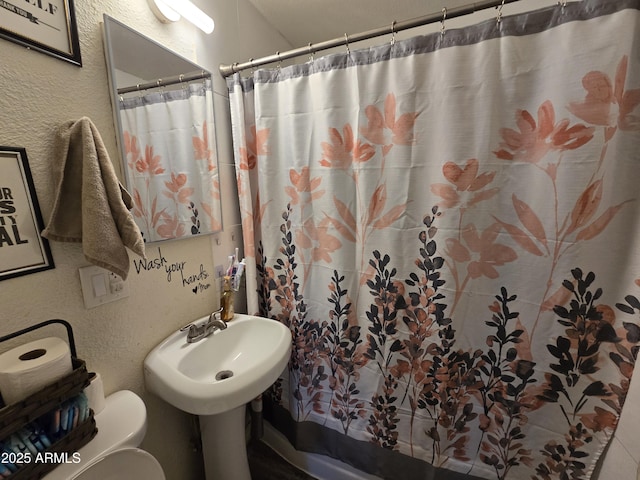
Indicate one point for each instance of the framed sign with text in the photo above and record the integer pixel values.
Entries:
(45, 25)
(22, 249)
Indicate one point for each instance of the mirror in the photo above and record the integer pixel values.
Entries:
(163, 112)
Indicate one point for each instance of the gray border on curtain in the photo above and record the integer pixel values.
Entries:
(367, 457)
(150, 98)
(527, 23)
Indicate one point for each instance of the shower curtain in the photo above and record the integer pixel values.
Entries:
(171, 161)
(449, 225)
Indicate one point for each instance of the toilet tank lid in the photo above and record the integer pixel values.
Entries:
(121, 423)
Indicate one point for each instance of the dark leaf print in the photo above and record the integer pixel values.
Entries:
(607, 333)
(596, 389)
(633, 332)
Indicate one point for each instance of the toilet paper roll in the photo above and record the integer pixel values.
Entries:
(95, 392)
(28, 368)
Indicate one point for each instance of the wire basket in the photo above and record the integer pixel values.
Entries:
(16, 415)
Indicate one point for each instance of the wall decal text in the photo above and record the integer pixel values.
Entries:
(195, 282)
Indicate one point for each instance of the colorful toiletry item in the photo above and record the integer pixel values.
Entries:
(39, 435)
(235, 269)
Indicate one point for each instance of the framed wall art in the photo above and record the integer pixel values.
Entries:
(22, 249)
(48, 26)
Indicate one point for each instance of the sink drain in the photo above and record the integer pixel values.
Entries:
(224, 374)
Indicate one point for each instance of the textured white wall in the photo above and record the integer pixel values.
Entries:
(39, 92)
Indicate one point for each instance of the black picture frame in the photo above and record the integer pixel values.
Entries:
(22, 249)
(48, 26)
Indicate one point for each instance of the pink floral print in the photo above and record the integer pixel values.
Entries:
(385, 345)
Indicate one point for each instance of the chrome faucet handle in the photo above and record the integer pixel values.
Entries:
(214, 313)
(194, 332)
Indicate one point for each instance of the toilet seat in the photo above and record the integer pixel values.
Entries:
(124, 464)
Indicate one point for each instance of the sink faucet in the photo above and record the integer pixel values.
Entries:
(196, 333)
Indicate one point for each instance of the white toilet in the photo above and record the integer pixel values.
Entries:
(113, 454)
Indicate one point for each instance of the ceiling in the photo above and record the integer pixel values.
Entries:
(312, 21)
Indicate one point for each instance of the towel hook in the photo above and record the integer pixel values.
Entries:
(346, 41)
(393, 33)
(444, 17)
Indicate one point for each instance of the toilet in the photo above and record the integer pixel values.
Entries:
(113, 453)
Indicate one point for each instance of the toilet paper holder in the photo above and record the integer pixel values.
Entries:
(16, 415)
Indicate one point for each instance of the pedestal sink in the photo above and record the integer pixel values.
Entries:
(214, 378)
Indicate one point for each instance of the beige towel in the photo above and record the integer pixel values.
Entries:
(91, 206)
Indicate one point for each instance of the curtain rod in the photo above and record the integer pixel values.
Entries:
(443, 15)
(162, 82)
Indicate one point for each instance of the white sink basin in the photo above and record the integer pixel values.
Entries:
(222, 371)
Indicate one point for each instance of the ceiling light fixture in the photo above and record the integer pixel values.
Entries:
(171, 11)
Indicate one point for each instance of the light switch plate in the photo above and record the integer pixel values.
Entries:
(100, 286)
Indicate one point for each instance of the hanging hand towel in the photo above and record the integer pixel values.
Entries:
(91, 206)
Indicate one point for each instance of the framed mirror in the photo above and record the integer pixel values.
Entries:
(163, 112)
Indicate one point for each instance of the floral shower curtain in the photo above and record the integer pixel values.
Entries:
(450, 227)
(172, 165)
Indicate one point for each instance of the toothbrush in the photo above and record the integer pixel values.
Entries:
(230, 267)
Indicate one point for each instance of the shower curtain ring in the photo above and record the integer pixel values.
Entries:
(444, 17)
(393, 33)
(346, 41)
(562, 3)
(279, 60)
(311, 53)
(499, 17)
(253, 69)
